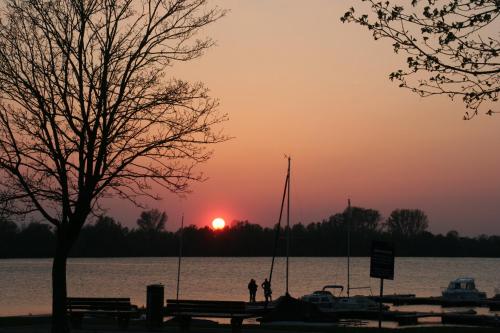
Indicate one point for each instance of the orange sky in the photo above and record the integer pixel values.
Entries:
(295, 80)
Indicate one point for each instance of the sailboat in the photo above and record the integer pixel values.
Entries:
(286, 308)
(258, 306)
(327, 301)
(286, 195)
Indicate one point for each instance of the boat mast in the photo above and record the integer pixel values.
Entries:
(180, 256)
(288, 226)
(278, 228)
(349, 218)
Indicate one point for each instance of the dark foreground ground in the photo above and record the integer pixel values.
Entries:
(40, 324)
(258, 329)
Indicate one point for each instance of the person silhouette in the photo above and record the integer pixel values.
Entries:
(252, 289)
(266, 286)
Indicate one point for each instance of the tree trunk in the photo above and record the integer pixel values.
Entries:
(59, 318)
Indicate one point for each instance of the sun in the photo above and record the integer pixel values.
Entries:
(218, 223)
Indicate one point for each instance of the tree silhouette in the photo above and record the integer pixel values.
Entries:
(407, 223)
(362, 219)
(241, 238)
(152, 220)
(452, 46)
(8, 235)
(94, 239)
(88, 110)
(36, 235)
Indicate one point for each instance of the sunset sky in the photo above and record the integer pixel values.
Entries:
(295, 80)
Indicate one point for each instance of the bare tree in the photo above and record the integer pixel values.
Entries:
(362, 220)
(152, 220)
(452, 45)
(407, 222)
(87, 109)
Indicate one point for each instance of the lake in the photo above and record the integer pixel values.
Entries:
(25, 284)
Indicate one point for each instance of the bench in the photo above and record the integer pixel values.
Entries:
(119, 308)
(184, 310)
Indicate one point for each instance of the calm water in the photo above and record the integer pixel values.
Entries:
(25, 283)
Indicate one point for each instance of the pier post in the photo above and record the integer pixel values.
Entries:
(380, 303)
(154, 305)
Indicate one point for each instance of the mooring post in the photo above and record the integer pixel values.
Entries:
(380, 303)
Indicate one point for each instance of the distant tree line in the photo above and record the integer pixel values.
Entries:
(106, 237)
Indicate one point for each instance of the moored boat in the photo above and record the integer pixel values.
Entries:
(328, 302)
(463, 289)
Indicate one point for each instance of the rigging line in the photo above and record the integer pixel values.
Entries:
(278, 227)
(181, 231)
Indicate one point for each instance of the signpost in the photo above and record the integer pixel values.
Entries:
(382, 267)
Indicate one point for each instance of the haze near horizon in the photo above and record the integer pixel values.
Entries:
(295, 80)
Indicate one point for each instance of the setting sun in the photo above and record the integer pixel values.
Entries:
(218, 223)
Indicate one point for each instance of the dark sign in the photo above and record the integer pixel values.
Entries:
(382, 260)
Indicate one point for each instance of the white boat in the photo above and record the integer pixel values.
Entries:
(328, 302)
(463, 289)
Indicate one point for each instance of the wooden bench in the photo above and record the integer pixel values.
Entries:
(119, 308)
(184, 310)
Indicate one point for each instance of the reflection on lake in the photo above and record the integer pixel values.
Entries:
(25, 284)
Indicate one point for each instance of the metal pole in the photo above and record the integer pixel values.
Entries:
(380, 303)
(180, 256)
(349, 218)
(288, 227)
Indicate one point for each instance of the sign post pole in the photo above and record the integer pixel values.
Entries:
(382, 267)
(380, 303)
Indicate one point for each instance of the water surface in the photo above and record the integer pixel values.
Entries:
(25, 283)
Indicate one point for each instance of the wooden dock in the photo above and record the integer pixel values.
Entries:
(184, 310)
(492, 303)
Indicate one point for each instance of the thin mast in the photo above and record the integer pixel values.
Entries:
(349, 218)
(288, 226)
(180, 256)
(278, 229)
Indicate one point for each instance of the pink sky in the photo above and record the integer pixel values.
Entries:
(294, 80)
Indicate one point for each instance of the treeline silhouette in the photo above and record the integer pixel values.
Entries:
(106, 237)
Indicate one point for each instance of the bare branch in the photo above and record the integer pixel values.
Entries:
(451, 45)
(86, 106)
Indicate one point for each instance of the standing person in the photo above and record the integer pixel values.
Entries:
(252, 289)
(266, 285)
